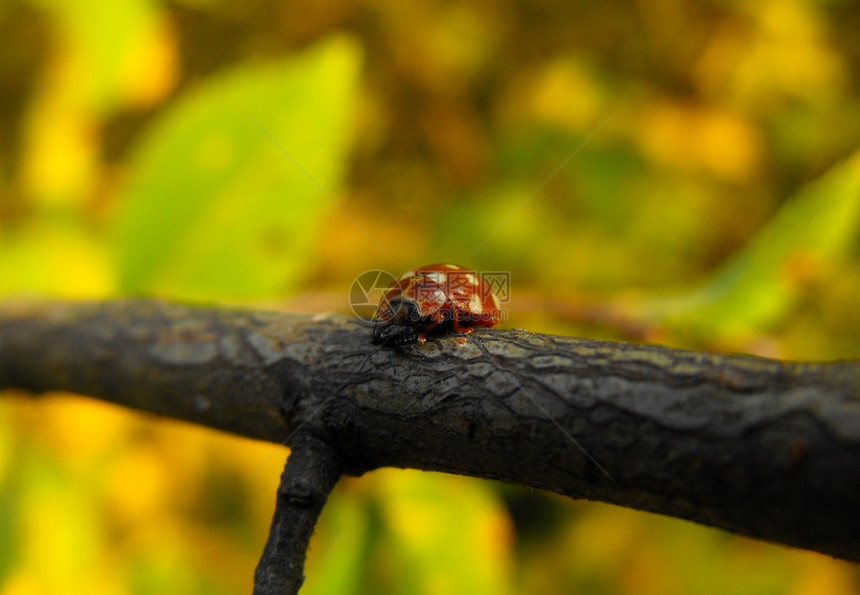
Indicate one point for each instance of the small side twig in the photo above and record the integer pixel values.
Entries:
(310, 474)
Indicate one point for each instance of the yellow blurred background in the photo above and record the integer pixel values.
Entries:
(266, 153)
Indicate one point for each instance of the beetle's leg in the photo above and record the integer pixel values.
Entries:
(455, 323)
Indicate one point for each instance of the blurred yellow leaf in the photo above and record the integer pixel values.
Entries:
(450, 534)
(53, 257)
(566, 95)
(722, 143)
(101, 41)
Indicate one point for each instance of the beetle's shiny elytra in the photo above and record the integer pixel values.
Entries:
(433, 298)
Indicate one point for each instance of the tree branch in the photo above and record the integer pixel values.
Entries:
(310, 474)
(759, 447)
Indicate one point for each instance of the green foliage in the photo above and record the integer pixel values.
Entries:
(126, 166)
(214, 208)
(812, 235)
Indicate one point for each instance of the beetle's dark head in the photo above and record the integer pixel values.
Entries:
(398, 325)
(394, 335)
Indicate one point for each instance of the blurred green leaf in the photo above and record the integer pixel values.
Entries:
(337, 558)
(214, 208)
(809, 237)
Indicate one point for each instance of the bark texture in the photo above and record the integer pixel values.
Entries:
(309, 476)
(764, 448)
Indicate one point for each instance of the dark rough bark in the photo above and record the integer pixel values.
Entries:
(309, 476)
(759, 447)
